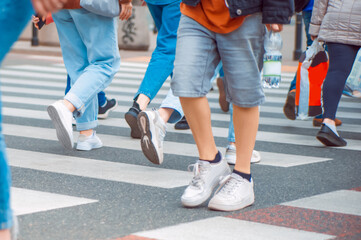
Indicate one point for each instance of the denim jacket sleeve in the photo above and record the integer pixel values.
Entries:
(273, 11)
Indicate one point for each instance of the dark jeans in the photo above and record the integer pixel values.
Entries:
(101, 95)
(342, 57)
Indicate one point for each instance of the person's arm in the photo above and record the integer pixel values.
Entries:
(318, 13)
(44, 6)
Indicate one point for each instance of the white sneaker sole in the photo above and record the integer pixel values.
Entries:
(146, 143)
(62, 134)
(231, 207)
(88, 147)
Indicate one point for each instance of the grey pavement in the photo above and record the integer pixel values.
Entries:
(114, 192)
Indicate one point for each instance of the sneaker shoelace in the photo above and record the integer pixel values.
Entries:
(228, 185)
(199, 171)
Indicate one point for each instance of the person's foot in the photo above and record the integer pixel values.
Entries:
(289, 108)
(222, 96)
(109, 106)
(182, 124)
(317, 122)
(153, 130)
(329, 138)
(233, 194)
(131, 117)
(62, 119)
(231, 155)
(87, 143)
(206, 178)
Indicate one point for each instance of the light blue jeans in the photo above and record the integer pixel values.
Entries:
(89, 44)
(14, 15)
(166, 18)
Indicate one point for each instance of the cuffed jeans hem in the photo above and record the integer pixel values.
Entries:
(233, 140)
(86, 125)
(248, 105)
(176, 115)
(188, 94)
(77, 103)
(6, 219)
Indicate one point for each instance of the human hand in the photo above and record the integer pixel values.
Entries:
(44, 6)
(36, 20)
(126, 11)
(276, 27)
(143, 3)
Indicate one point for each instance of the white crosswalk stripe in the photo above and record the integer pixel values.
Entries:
(37, 86)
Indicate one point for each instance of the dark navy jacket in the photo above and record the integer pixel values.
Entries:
(273, 11)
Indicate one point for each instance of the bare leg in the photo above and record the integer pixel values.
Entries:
(329, 121)
(198, 115)
(5, 234)
(165, 113)
(143, 101)
(71, 108)
(245, 122)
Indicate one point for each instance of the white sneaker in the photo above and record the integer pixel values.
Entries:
(86, 143)
(153, 130)
(206, 178)
(62, 119)
(233, 194)
(231, 155)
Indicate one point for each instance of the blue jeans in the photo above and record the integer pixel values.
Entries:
(200, 50)
(14, 15)
(89, 45)
(166, 18)
(101, 95)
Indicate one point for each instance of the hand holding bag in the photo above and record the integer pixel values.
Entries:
(106, 8)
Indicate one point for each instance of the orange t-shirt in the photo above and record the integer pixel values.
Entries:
(214, 15)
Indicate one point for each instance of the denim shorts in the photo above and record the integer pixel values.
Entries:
(199, 51)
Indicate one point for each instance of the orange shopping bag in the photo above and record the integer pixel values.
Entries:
(311, 72)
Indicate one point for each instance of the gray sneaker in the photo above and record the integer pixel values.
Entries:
(206, 178)
(231, 155)
(87, 143)
(233, 194)
(153, 130)
(62, 119)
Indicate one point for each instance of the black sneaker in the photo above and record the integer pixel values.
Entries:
(103, 112)
(182, 124)
(131, 117)
(329, 138)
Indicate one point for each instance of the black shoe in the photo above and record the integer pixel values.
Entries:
(110, 105)
(329, 138)
(182, 124)
(289, 108)
(131, 117)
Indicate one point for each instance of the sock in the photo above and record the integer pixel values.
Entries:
(333, 128)
(243, 175)
(216, 159)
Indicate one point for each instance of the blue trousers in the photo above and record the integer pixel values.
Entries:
(89, 45)
(166, 18)
(14, 15)
(101, 95)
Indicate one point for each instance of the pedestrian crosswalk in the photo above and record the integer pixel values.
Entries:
(27, 89)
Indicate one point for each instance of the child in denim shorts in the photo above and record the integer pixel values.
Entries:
(231, 31)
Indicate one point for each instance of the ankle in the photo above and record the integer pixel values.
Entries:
(329, 121)
(87, 132)
(142, 101)
(69, 105)
(5, 234)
